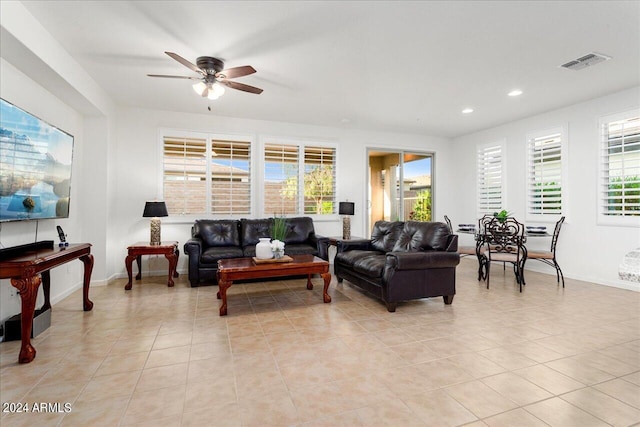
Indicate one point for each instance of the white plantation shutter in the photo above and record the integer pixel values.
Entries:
(319, 180)
(206, 174)
(184, 175)
(619, 181)
(230, 177)
(281, 185)
(544, 173)
(490, 179)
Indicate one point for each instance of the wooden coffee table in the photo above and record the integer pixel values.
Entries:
(245, 268)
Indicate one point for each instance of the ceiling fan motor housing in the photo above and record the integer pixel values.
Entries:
(210, 65)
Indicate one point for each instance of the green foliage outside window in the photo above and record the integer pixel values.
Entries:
(624, 186)
(318, 188)
(422, 209)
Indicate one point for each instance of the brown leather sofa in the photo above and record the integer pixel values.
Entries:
(402, 261)
(214, 239)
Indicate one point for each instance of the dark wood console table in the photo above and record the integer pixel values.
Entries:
(27, 266)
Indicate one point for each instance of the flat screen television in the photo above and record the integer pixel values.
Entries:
(35, 167)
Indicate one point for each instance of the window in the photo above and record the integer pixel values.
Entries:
(619, 177)
(545, 160)
(299, 178)
(490, 170)
(206, 174)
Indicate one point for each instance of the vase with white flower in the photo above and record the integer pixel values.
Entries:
(278, 234)
(277, 247)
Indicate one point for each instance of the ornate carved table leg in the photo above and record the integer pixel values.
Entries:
(309, 284)
(128, 261)
(139, 263)
(175, 272)
(87, 260)
(28, 288)
(46, 289)
(223, 285)
(327, 279)
(173, 262)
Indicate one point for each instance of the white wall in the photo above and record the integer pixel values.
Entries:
(586, 250)
(26, 94)
(138, 170)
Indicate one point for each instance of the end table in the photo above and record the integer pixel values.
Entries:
(168, 249)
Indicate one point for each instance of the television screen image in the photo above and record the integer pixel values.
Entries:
(35, 167)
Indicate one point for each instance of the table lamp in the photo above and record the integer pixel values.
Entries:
(155, 210)
(346, 209)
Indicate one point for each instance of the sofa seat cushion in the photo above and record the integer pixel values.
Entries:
(385, 234)
(349, 258)
(299, 230)
(217, 232)
(251, 230)
(212, 254)
(300, 249)
(422, 236)
(371, 266)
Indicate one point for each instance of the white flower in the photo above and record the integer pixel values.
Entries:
(277, 245)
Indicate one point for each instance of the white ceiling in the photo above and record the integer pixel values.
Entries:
(395, 66)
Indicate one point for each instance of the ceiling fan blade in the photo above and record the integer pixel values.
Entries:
(232, 73)
(174, 77)
(186, 63)
(241, 86)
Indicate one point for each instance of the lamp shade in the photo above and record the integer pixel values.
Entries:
(155, 209)
(346, 208)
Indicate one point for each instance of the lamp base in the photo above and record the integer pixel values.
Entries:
(155, 231)
(346, 227)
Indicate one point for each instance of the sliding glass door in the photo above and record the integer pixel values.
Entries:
(399, 186)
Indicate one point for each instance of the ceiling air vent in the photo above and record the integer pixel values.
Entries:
(585, 61)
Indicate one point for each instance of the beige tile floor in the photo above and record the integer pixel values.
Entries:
(161, 356)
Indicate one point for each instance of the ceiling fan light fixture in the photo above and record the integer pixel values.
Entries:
(217, 88)
(200, 87)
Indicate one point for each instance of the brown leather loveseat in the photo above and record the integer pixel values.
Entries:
(402, 261)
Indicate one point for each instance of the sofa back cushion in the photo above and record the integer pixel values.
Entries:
(385, 234)
(217, 232)
(251, 230)
(299, 229)
(422, 236)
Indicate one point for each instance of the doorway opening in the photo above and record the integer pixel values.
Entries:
(400, 186)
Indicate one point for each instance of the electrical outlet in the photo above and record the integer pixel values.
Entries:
(13, 292)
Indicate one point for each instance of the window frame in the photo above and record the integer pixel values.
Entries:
(300, 144)
(481, 148)
(562, 130)
(602, 219)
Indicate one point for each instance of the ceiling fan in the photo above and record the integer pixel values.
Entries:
(213, 76)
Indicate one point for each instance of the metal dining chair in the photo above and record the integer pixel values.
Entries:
(503, 241)
(549, 257)
(462, 250)
(470, 250)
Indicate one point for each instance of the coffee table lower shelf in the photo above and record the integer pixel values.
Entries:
(245, 268)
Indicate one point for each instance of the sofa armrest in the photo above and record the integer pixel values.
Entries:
(350, 245)
(422, 260)
(193, 247)
(322, 243)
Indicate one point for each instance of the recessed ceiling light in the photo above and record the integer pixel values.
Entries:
(516, 92)
(467, 111)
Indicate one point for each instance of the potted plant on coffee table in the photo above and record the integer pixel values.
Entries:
(278, 234)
